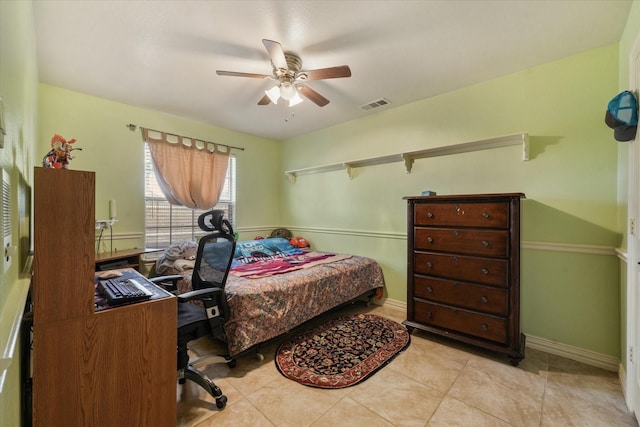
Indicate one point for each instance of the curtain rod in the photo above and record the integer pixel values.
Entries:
(133, 127)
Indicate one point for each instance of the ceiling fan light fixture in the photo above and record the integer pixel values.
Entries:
(287, 91)
(273, 94)
(286, 71)
(295, 99)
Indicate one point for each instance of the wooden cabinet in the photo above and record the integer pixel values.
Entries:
(463, 275)
(115, 367)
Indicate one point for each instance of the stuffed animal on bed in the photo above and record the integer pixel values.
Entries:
(177, 258)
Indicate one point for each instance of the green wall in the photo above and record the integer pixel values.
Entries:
(116, 154)
(18, 89)
(568, 295)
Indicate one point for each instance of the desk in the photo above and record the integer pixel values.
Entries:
(115, 367)
(121, 259)
(129, 273)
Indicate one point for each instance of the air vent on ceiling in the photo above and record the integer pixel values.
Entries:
(376, 104)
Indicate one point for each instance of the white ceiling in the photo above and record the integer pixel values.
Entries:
(163, 55)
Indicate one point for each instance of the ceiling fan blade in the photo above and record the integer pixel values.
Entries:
(275, 53)
(237, 74)
(312, 95)
(264, 100)
(328, 73)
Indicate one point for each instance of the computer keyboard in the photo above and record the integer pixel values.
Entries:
(121, 290)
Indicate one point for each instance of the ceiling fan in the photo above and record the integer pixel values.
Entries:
(291, 79)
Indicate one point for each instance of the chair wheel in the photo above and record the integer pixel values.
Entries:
(260, 356)
(221, 402)
(232, 363)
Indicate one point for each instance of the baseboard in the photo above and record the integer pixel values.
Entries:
(587, 357)
(392, 303)
(578, 354)
(622, 376)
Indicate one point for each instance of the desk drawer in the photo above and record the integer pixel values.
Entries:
(492, 243)
(470, 269)
(455, 319)
(488, 215)
(467, 295)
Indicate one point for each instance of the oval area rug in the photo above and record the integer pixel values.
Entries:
(341, 352)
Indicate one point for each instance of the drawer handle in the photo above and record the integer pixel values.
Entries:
(429, 289)
(455, 259)
(485, 243)
(456, 284)
(429, 314)
(430, 239)
(485, 215)
(485, 327)
(484, 299)
(456, 233)
(429, 264)
(485, 271)
(429, 215)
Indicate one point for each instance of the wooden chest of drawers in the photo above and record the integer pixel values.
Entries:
(463, 276)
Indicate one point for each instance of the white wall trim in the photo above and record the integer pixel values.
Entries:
(11, 320)
(347, 232)
(622, 254)
(265, 229)
(533, 245)
(588, 357)
(106, 237)
(570, 247)
(394, 303)
(622, 376)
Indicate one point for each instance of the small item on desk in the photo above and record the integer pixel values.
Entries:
(109, 274)
(112, 209)
(428, 193)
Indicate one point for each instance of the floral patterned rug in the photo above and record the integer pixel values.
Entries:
(342, 352)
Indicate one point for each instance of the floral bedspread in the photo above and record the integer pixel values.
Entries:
(264, 308)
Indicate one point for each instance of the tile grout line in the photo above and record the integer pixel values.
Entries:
(469, 403)
(446, 393)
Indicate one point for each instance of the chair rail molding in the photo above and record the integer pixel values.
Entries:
(11, 321)
(409, 157)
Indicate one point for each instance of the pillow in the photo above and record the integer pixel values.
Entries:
(253, 250)
(185, 250)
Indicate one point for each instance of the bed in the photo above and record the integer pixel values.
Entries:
(274, 287)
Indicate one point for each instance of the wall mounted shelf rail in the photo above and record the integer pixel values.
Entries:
(409, 157)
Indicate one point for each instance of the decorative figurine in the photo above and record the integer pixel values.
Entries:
(60, 154)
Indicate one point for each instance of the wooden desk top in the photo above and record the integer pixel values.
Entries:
(101, 303)
(108, 256)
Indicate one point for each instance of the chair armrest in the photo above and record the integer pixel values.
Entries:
(171, 278)
(170, 282)
(198, 294)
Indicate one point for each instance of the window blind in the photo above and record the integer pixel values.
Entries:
(165, 223)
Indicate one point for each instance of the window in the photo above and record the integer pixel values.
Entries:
(164, 223)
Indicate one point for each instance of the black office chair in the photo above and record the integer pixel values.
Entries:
(212, 264)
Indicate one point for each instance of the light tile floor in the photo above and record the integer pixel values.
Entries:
(432, 383)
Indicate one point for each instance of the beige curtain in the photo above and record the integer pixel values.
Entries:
(191, 173)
